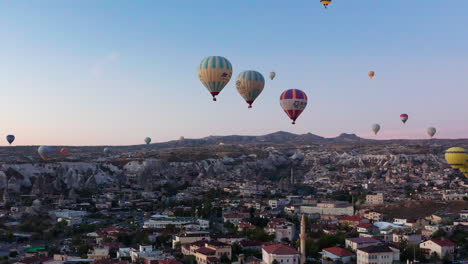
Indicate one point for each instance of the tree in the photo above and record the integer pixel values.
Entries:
(439, 233)
(225, 259)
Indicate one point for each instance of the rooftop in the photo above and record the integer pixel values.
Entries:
(280, 249)
(340, 252)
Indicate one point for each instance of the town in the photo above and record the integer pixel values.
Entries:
(339, 202)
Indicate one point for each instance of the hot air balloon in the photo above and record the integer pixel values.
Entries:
(147, 140)
(375, 128)
(107, 150)
(325, 3)
(64, 151)
(45, 152)
(371, 74)
(249, 85)
(456, 157)
(181, 138)
(464, 170)
(293, 102)
(10, 138)
(431, 131)
(272, 75)
(404, 118)
(215, 72)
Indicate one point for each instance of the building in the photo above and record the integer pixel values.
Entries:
(360, 242)
(336, 255)
(375, 199)
(147, 254)
(98, 253)
(162, 221)
(328, 208)
(411, 238)
(212, 252)
(441, 247)
(281, 228)
(464, 215)
(281, 253)
(377, 255)
(233, 218)
(190, 237)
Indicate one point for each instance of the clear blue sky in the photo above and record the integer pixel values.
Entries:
(103, 72)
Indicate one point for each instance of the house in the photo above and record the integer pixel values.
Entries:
(245, 225)
(334, 254)
(365, 228)
(373, 216)
(439, 218)
(110, 261)
(252, 245)
(233, 218)
(441, 247)
(353, 220)
(379, 254)
(360, 242)
(283, 254)
(410, 237)
(281, 228)
(464, 214)
(190, 237)
(212, 252)
(98, 253)
(162, 221)
(147, 254)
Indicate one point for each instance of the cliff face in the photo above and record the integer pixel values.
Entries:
(270, 163)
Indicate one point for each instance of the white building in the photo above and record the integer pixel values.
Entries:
(68, 213)
(441, 247)
(190, 237)
(377, 255)
(281, 253)
(328, 208)
(162, 221)
(360, 242)
(146, 252)
(281, 228)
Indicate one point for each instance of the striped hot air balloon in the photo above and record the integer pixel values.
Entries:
(215, 72)
(431, 131)
(293, 102)
(456, 157)
(325, 3)
(404, 118)
(249, 85)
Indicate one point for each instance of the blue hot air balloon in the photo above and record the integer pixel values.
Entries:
(10, 138)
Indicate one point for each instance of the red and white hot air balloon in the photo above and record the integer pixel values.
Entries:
(404, 118)
(293, 102)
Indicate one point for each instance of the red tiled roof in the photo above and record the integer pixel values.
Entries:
(212, 260)
(169, 261)
(443, 242)
(233, 216)
(280, 249)
(351, 218)
(110, 261)
(35, 259)
(364, 225)
(340, 252)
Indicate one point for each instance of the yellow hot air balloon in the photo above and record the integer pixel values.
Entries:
(456, 157)
(464, 170)
(325, 3)
(371, 74)
(215, 72)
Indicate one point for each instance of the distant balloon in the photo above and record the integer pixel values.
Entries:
(375, 128)
(107, 150)
(215, 72)
(431, 131)
(64, 151)
(181, 138)
(325, 3)
(249, 85)
(272, 75)
(293, 102)
(456, 157)
(45, 152)
(404, 118)
(10, 138)
(147, 140)
(371, 74)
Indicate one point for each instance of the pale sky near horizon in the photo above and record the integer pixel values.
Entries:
(112, 72)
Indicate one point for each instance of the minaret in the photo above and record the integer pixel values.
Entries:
(292, 176)
(302, 237)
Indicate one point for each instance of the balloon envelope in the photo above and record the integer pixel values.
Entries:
(325, 3)
(64, 151)
(249, 85)
(456, 157)
(215, 72)
(147, 140)
(293, 102)
(371, 74)
(431, 131)
(45, 152)
(107, 150)
(272, 75)
(375, 128)
(404, 118)
(10, 138)
(181, 138)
